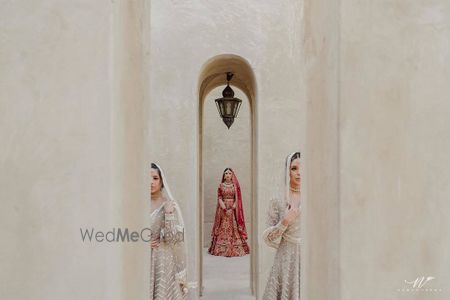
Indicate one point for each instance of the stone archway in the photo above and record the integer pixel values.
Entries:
(212, 75)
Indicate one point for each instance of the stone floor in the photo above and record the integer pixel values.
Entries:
(226, 278)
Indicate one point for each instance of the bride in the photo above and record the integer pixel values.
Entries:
(229, 234)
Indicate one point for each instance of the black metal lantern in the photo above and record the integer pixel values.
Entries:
(228, 106)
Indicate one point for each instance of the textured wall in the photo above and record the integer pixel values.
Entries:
(320, 269)
(130, 161)
(55, 155)
(72, 108)
(395, 144)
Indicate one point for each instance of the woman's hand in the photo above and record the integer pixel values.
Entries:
(290, 216)
(222, 204)
(184, 288)
(154, 244)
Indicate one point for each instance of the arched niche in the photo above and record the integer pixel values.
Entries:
(212, 75)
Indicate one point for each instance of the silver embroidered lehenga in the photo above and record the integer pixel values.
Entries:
(284, 278)
(168, 261)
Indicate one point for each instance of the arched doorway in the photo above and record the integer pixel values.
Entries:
(212, 76)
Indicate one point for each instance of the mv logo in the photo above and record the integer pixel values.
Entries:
(419, 282)
(419, 285)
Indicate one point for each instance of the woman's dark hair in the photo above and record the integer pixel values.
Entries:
(226, 169)
(295, 156)
(155, 167)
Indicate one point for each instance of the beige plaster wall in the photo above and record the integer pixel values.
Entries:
(394, 145)
(320, 263)
(130, 161)
(223, 148)
(55, 93)
(73, 90)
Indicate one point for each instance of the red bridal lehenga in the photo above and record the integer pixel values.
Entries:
(229, 234)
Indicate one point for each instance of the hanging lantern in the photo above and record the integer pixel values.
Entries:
(228, 106)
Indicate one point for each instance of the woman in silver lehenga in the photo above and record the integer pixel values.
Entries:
(168, 252)
(283, 233)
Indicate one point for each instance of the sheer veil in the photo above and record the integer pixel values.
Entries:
(287, 177)
(167, 194)
(180, 249)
